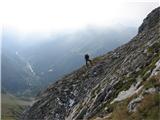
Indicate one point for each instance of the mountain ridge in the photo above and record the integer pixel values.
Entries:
(128, 74)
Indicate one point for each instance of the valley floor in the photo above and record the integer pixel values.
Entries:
(12, 106)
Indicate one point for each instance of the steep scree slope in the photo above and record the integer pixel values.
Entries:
(117, 86)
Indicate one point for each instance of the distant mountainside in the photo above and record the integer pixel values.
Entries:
(123, 84)
(18, 77)
(29, 66)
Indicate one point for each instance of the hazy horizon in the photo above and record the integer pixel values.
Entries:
(47, 18)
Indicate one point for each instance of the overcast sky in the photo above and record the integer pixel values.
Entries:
(31, 16)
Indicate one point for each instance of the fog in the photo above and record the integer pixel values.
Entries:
(38, 19)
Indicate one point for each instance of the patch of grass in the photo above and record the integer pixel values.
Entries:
(119, 111)
(121, 86)
(148, 109)
(146, 75)
(154, 48)
(145, 72)
(98, 59)
(152, 82)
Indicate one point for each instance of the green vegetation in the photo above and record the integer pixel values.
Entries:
(12, 106)
(120, 110)
(98, 59)
(145, 73)
(151, 83)
(154, 48)
(123, 86)
(148, 109)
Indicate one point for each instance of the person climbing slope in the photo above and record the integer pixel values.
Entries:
(87, 60)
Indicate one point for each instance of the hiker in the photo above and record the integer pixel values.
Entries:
(87, 60)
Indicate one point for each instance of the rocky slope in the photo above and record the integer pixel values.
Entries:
(122, 84)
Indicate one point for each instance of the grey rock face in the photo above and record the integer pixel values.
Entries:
(85, 92)
(133, 104)
(150, 21)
